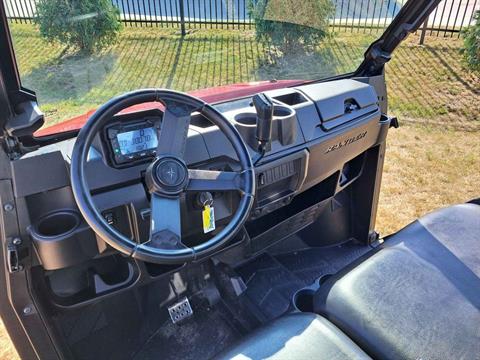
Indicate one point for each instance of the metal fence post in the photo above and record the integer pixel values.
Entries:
(424, 30)
(182, 17)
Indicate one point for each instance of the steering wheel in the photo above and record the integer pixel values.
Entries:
(167, 178)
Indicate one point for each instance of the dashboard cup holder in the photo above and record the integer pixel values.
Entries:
(282, 111)
(63, 237)
(246, 124)
(57, 224)
(283, 126)
(285, 119)
(246, 119)
(250, 118)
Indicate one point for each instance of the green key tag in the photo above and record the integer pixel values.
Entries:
(208, 217)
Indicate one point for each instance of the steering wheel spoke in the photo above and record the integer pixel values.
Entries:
(212, 180)
(173, 132)
(165, 223)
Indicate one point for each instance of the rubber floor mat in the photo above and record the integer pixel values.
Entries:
(202, 336)
(312, 263)
(270, 285)
(272, 280)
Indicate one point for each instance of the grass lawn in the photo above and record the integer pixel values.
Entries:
(426, 168)
(430, 85)
(69, 84)
(432, 160)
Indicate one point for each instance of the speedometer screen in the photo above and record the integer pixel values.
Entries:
(137, 140)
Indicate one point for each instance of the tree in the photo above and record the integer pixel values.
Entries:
(87, 25)
(471, 44)
(291, 26)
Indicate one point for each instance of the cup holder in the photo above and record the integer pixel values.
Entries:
(246, 119)
(250, 118)
(303, 300)
(57, 224)
(282, 111)
(284, 128)
(63, 239)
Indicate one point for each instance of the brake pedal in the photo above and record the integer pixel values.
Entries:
(180, 310)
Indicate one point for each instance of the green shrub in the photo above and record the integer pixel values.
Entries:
(291, 26)
(471, 43)
(87, 25)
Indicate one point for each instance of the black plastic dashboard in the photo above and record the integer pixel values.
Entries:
(320, 132)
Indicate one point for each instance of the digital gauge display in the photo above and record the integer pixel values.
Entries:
(134, 141)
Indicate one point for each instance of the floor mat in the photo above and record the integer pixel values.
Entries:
(272, 280)
(309, 264)
(201, 337)
(270, 285)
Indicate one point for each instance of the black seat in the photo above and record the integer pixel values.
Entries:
(301, 336)
(418, 297)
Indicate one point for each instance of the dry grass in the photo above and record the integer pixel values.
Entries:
(425, 169)
(430, 85)
(7, 351)
(433, 160)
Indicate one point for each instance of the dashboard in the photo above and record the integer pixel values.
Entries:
(317, 130)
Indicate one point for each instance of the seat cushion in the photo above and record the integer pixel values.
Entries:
(418, 296)
(294, 337)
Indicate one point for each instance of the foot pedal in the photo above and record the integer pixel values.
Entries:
(180, 310)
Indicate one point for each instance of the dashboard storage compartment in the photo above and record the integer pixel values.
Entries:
(62, 239)
(339, 102)
(302, 211)
(332, 212)
(291, 98)
(86, 282)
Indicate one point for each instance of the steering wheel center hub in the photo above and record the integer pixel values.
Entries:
(167, 175)
(170, 173)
